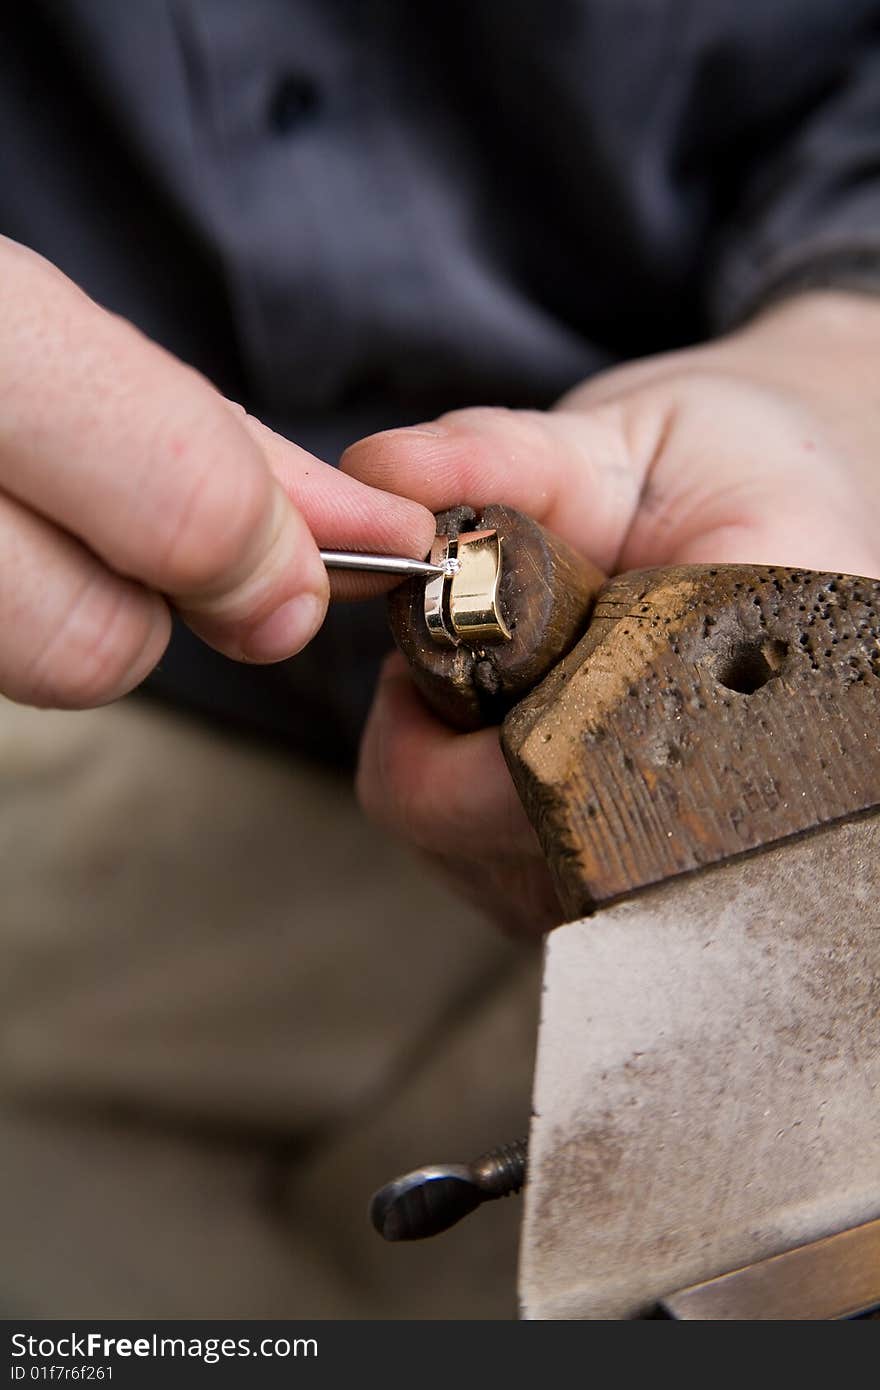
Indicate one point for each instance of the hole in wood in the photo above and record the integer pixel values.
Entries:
(749, 665)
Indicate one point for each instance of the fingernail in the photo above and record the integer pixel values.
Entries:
(287, 630)
(432, 430)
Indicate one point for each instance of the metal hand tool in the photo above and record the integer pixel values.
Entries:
(400, 565)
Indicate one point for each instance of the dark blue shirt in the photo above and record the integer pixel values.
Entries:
(357, 213)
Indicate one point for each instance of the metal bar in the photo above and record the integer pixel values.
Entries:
(380, 564)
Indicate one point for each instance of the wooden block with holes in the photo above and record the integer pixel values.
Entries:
(707, 712)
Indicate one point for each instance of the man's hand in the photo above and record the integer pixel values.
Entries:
(129, 486)
(763, 447)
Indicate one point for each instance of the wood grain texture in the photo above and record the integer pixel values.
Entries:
(707, 712)
(546, 595)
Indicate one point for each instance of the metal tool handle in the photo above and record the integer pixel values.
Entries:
(400, 565)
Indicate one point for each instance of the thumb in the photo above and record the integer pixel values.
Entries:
(578, 473)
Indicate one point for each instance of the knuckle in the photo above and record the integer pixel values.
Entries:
(365, 790)
(404, 808)
(480, 418)
(385, 785)
(215, 505)
(104, 644)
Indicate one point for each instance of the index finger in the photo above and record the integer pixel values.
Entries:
(136, 455)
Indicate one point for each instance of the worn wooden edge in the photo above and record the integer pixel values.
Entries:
(709, 711)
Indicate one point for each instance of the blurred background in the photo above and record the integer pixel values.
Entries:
(229, 1010)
